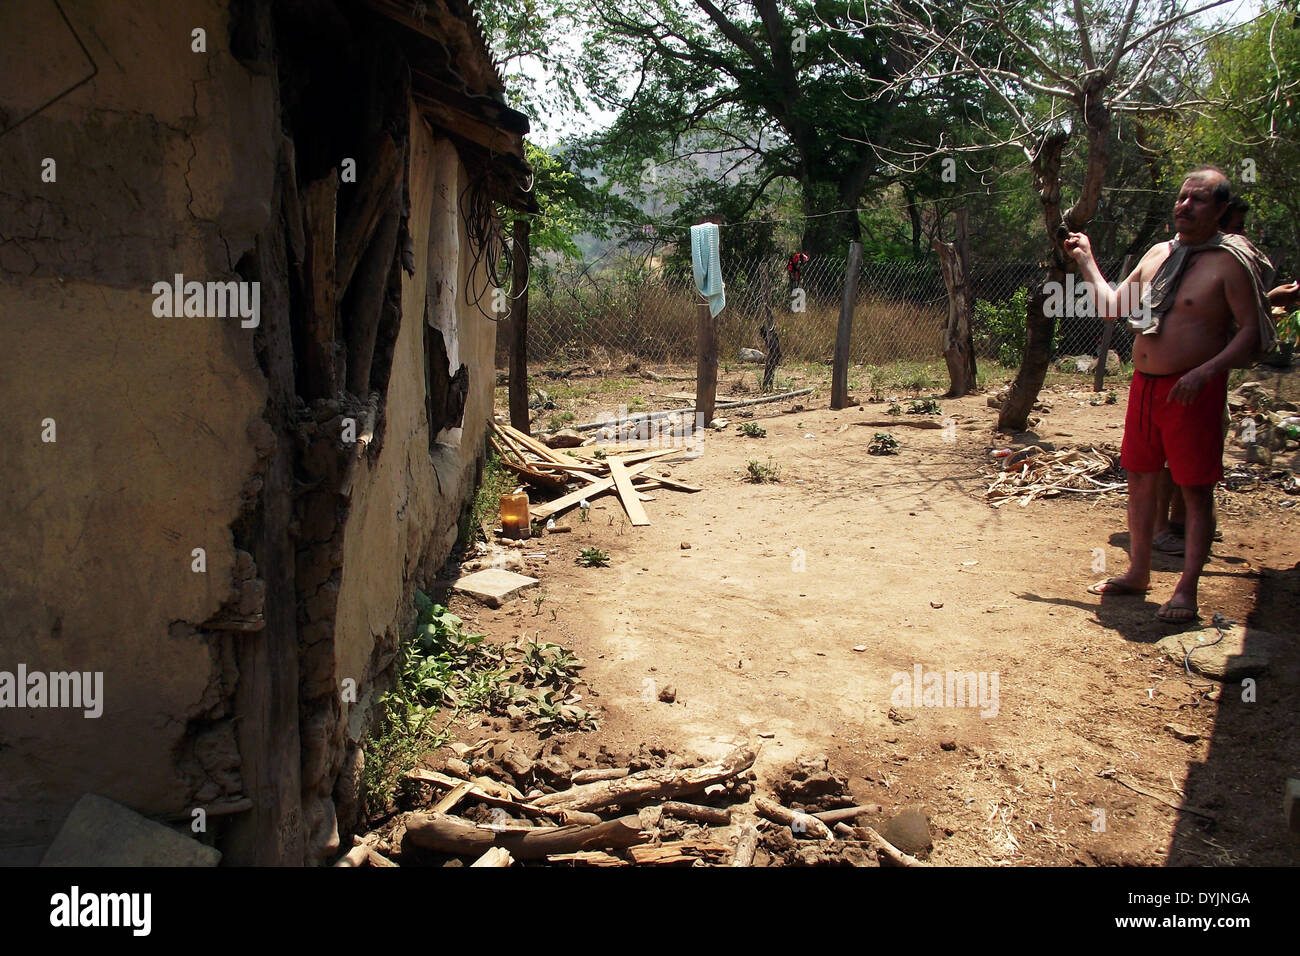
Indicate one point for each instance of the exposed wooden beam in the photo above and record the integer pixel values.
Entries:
(475, 130)
(319, 207)
(380, 176)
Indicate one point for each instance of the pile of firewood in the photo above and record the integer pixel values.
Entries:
(553, 472)
(610, 816)
(1032, 473)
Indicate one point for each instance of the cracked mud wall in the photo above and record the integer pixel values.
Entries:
(405, 505)
(165, 164)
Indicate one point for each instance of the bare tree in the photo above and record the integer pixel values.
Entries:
(1090, 61)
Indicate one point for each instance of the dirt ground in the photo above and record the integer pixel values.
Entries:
(904, 566)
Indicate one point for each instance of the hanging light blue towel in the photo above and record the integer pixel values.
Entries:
(705, 243)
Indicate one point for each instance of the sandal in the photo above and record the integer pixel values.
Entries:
(1115, 586)
(1171, 613)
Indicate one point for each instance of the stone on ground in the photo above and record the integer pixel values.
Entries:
(493, 586)
(101, 832)
(1243, 652)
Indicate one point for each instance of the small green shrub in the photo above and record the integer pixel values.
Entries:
(593, 558)
(1001, 325)
(883, 444)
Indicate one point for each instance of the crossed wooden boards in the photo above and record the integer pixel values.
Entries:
(549, 470)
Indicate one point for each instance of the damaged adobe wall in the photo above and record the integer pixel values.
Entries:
(247, 687)
(164, 162)
(405, 503)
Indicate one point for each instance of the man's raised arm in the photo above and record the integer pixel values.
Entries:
(1107, 301)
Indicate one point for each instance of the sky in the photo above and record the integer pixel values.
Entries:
(549, 130)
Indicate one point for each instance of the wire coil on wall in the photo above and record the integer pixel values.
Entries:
(487, 247)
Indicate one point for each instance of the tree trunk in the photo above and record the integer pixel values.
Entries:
(1039, 327)
(914, 214)
(958, 349)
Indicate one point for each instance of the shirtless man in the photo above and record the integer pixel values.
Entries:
(1171, 515)
(1180, 384)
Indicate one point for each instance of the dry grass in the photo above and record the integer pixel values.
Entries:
(659, 324)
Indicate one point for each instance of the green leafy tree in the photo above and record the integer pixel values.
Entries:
(769, 94)
(1090, 63)
(1249, 125)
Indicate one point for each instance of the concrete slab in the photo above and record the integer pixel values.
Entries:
(493, 586)
(1243, 652)
(101, 832)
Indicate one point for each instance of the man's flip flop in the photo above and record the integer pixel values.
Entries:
(1185, 613)
(1113, 586)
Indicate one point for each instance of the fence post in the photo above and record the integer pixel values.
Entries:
(519, 330)
(958, 349)
(706, 367)
(840, 372)
(1108, 332)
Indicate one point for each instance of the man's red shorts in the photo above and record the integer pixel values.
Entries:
(1188, 437)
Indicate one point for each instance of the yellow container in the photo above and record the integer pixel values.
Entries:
(514, 516)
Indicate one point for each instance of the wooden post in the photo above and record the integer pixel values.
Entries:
(519, 330)
(958, 348)
(1107, 333)
(706, 367)
(840, 373)
(319, 366)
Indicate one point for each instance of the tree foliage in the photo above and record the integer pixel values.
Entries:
(1249, 125)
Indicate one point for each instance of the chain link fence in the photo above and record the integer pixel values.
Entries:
(614, 315)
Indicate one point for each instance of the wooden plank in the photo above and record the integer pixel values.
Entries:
(503, 450)
(675, 484)
(516, 449)
(454, 797)
(635, 456)
(627, 494)
(548, 508)
(528, 441)
(574, 466)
